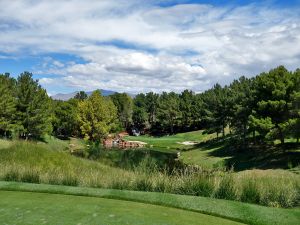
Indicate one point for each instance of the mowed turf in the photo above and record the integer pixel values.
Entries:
(232, 210)
(172, 143)
(43, 208)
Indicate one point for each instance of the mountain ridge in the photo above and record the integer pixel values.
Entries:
(67, 96)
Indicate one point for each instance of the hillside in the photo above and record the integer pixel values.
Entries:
(52, 163)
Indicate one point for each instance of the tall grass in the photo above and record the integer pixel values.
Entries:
(30, 162)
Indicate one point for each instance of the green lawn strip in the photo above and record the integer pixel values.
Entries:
(242, 212)
(44, 208)
(172, 142)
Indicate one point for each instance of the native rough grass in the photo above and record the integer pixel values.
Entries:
(35, 163)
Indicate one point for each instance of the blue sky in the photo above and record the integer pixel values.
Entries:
(140, 46)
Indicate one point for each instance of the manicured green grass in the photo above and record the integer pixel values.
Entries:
(43, 208)
(172, 142)
(203, 156)
(246, 213)
(211, 154)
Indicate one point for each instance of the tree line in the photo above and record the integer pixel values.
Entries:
(261, 108)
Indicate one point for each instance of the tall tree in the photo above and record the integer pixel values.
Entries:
(294, 122)
(65, 118)
(7, 103)
(169, 112)
(218, 104)
(186, 105)
(97, 116)
(243, 104)
(124, 104)
(81, 95)
(33, 107)
(151, 100)
(140, 115)
(273, 94)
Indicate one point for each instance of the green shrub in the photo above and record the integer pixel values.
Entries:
(70, 180)
(203, 187)
(226, 189)
(280, 196)
(30, 176)
(12, 175)
(120, 184)
(250, 192)
(142, 183)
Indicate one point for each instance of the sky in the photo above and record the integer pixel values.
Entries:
(141, 45)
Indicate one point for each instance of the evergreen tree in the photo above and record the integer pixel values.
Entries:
(124, 104)
(7, 103)
(186, 105)
(273, 94)
(243, 104)
(140, 115)
(33, 107)
(151, 101)
(81, 95)
(169, 112)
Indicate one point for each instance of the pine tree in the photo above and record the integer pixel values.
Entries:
(124, 104)
(33, 107)
(151, 106)
(7, 103)
(273, 94)
(169, 112)
(186, 104)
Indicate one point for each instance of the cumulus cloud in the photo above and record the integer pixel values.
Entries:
(130, 46)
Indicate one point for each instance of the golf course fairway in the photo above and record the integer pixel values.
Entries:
(43, 208)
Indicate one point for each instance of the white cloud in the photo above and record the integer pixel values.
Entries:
(159, 48)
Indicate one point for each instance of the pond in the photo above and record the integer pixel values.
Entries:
(133, 157)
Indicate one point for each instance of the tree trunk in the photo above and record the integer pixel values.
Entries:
(281, 136)
(223, 131)
(244, 135)
(172, 128)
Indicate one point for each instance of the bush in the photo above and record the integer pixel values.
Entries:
(142, 183)
(280, 196)
(30, 176)
(250, 192)
(12, 175)
(226, 189)
(70, 180)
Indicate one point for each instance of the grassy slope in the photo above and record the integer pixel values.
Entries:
(54, 166)
(190, 154)
(247, 213)
(39, 208)
(210, 154)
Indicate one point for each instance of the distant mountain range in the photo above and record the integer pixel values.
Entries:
(68, 96)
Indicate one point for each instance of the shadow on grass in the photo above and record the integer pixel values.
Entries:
(261, 156)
